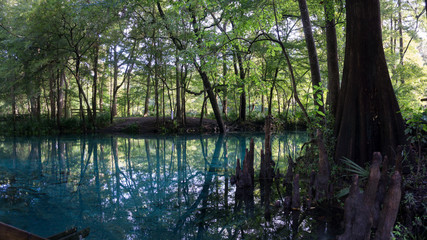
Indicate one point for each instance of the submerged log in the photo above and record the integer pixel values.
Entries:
(63, 234)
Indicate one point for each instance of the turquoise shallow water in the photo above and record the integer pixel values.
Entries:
(150, 187)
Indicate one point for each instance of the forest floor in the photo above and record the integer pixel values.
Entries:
(148, 125)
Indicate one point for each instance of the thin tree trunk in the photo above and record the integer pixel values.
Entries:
(178, 89)
(332, 55)
(399, 6)
(12, 93)
(262, 102)
(312, 56)
(184, 117)
(66, 104)
(95, 80)
(59, 97)
(52, 91)
(147, 93)
(163, 102)
(156, 89)
(128, 96)
(115, 76)
(224, 96)
(240, 72)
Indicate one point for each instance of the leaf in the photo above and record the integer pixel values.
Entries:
(321, 113)
(355, 168)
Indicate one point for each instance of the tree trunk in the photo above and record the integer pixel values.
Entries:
(12, 93)
(332, 53)
(66, 103)
(368, 118)
(60, 96)
(399, 6)
(240, 72)
(156, 89)
(184, 118)
(128, 96)
(224, 96)
(212, 99)
(115, 78)
(52, 91)
(81, 91)
(95, 80)
(178, 89)
(262, 102)
(147, 93)
(312, 56)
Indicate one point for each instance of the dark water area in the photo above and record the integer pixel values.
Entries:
(153, 187)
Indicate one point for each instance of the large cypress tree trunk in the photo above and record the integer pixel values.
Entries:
(368, 118)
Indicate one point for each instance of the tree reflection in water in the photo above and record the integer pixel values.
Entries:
(140, 188)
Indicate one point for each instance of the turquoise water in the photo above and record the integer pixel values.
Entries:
(140, 188)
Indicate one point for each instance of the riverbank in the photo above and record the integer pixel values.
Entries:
(149, 125)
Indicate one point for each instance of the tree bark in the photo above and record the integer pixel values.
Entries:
(368, 118)
(332, 57)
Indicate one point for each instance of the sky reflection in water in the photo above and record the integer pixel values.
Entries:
(139, 188)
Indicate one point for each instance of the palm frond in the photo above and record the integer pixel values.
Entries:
(354, 168)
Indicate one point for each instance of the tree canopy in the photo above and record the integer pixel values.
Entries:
(228, 60)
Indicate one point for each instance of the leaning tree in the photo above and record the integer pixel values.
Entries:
(368, 118)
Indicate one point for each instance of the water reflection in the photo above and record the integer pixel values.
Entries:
(140, 188)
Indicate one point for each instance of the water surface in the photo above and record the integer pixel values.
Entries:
(168, 187)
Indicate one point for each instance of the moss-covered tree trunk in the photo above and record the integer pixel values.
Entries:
(368, 118)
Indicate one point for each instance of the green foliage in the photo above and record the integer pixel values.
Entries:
(354, 168)
(46, 38)
(417, 127)
(132, 129)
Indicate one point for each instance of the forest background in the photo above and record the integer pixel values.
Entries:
(66, 61)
